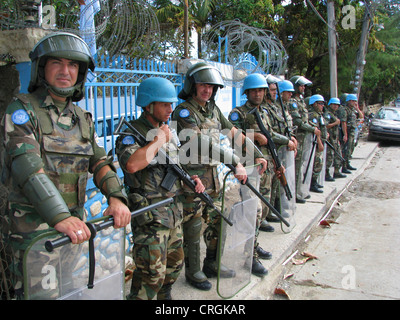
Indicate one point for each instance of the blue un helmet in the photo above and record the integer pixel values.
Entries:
(285, 85)
(155, 90)
(254, 81)
(334, 101)
(351, 97)
(315, 98)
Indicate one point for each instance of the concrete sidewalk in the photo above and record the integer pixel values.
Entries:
(281, 244)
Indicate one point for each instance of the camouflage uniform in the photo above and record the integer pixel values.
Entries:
(316, 119)
(347, 114)
(157, 235)
(299, 113)
(66, 144)
(242, 120)
(191, 115)
(331, 158)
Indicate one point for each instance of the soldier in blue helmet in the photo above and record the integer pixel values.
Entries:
(157, 235)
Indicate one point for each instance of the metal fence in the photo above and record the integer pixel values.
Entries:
(111, 91)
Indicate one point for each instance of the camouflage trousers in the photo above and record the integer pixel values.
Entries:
(332, 158)
(158, 255)
(349, 146)
(193, 207)
(318, 164)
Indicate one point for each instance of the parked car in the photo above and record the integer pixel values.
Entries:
(397, 103)
(385, 125)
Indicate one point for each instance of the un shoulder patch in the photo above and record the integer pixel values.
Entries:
(20, 116)
(294, 105)
(315, 121)
(184, 113)
(128, 140)
(234, 116)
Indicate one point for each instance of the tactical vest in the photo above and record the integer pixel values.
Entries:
(210, 125)
(65, 152)
(147, 182)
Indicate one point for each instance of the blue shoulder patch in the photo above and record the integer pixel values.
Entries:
(234, 116)
(128, 140)
(184, 113)
(315, 121)
(294, 105)
(20, 116)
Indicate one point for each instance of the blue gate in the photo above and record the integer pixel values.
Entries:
(111, 91)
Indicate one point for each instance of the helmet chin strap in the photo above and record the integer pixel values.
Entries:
(151, 114)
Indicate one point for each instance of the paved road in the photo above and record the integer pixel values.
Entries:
(358, 257)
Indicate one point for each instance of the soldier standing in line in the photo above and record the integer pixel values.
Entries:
(157, 235)
(50, 148)
(298, 111)
(333, 129)
(348, 117)
(255, 86)
(281, 124)
(316, 119)
(200, 118)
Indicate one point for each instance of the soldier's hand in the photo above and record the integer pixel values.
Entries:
(317, 132)
(75, 229)
(291, 145)
(264, 164)
(199, 185)
(119, 211)
(241, 173)
(164, 134)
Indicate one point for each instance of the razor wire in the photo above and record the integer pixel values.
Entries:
(244, 41)
(115, 26)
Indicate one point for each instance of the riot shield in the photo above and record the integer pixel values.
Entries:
(321, 177)
(63, 274)
(305, 173)
(239, 205)
(287, 208)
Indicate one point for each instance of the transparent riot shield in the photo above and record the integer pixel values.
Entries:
(321, 177)
(63, 273)
(287, 208)
(239, 205)
(307, 161)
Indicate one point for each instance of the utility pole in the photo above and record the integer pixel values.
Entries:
(362, 50)
(332, 48)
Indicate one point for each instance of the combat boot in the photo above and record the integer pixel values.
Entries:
(262, 254)
(258, 269)
(350, 167)
(165, 292)
(345, 170)
(314, 187)
(210, 266)
(328, 176)
(339, 175)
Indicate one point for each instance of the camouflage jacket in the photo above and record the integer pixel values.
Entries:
(144, 186)
(316, 119)
(348, 115)
(242, 120)
(194, 119)
(66, 143)
(299, 113)
(330, 117)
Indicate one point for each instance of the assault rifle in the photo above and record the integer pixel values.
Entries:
(310, 158)
(272, 149)
(334, 150)
(174, 170)
(288, 131)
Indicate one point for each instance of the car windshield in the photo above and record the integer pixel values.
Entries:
(388, 114)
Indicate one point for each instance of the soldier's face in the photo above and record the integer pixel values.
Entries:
(273, 91)
(286, 95)
(302, 88)
(204, 92)
(60, 72)
(162, 111)
(256, 96)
